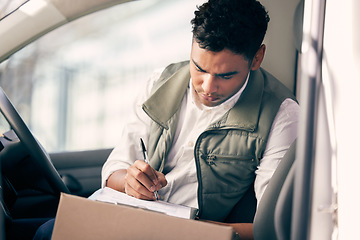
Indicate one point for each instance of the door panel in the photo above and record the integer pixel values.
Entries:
(81, 171)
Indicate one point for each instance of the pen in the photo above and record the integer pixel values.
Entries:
(147, 161)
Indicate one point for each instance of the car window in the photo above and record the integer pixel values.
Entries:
(74, 86)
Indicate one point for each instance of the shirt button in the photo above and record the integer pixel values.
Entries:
(191, 144)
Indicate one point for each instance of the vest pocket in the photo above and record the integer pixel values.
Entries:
(227, 173)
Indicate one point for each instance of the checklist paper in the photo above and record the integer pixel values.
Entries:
(112, 196)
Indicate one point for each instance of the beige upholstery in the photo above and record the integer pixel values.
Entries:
(281, 43)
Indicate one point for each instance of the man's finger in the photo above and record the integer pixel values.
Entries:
(147, 169)
(136, 175)
(132, 192)
(162, 182)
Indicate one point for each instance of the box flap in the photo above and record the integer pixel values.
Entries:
(81, 218)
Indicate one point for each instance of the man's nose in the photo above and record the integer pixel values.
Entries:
(209, 84)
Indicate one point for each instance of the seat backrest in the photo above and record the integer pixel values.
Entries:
(281, 40)
(264, 227)
(283, 209)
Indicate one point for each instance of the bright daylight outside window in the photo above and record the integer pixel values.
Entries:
(74, 86)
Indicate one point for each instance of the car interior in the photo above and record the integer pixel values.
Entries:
(33, 177)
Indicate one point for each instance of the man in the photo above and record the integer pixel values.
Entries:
(212, 125)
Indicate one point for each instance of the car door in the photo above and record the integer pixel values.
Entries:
(81, 170)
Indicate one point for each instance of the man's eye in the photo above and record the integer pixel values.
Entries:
(199, 70)
(227, 77)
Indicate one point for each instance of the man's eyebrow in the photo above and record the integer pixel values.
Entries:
(217, 74)
(226, 74)
(197, 65)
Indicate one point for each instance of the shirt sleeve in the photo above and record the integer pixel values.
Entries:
(128, 150)
(282, 134)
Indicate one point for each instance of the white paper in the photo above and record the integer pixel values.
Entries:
(112, 196)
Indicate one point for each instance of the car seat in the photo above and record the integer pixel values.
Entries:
(264, 221)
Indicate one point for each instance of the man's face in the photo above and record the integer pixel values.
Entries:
(216, 76)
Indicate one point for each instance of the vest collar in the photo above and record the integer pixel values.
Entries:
(248, 103)
(162, 105)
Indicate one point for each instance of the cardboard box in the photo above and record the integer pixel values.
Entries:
(81, 218)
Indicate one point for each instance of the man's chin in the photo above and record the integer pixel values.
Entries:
(211, 103)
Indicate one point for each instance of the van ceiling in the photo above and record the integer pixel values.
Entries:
(37, 17)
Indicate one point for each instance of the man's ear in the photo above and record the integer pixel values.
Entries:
(258, 58)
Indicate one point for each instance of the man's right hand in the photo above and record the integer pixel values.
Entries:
(140, 180)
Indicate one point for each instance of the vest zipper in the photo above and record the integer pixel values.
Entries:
(212, 158)
(198, 172)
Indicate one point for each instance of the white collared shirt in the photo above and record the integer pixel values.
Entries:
(180, 169)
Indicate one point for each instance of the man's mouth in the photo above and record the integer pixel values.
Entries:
(209, 98)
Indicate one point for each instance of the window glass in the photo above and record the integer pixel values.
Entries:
(74, 86)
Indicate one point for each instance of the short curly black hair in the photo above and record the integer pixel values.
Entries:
(236, 25)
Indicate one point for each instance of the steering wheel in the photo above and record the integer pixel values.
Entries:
(37, 153)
